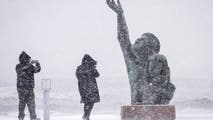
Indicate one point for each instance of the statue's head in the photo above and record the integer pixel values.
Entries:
(146, 45)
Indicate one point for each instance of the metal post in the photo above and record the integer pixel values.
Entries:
(46, 86)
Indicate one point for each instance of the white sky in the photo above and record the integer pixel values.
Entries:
(59, 32)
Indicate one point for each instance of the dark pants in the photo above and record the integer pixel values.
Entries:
(26, 97)
(87, 110)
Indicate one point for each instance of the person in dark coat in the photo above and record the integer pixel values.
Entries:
(86, 74)
(25, 84)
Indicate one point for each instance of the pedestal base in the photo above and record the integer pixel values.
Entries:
(148, 112)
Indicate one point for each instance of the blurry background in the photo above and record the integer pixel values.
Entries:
(59, 32)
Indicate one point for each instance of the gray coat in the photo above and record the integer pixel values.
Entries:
(25, 72)
(86, 74)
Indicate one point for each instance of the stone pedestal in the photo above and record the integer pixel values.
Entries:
(148, 112)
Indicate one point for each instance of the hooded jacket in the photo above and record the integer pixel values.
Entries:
(86, 74)
(25, 71)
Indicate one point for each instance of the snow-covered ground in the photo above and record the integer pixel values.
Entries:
(115, 117)
(73, 117)
(64, 103)
(184, 114)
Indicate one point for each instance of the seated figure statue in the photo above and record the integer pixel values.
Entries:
(148, 71)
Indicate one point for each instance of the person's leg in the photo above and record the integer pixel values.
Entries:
(31, 105)
(22, 104)
(21, 110)
(90, 108)
(87, 110)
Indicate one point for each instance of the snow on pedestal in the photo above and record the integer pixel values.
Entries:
(148, 112)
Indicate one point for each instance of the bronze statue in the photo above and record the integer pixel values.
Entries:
(148, 71)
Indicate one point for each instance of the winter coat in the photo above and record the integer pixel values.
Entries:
(86, 74)
(25, 72)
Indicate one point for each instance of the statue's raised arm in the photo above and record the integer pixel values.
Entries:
(115, 7)
(123, 33)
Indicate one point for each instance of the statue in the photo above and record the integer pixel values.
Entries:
(148, 71)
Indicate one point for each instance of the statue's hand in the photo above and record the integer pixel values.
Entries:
(115, 7)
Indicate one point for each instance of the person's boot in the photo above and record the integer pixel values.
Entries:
(36, 119)
(21, 119)
(85, 118)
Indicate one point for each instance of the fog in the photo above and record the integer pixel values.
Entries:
(59, 32)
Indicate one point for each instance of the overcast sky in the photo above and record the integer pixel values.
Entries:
(59, 32)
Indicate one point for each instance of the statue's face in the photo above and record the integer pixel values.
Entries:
(146, 45)
(138, 47)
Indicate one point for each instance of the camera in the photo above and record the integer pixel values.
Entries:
(34, 61)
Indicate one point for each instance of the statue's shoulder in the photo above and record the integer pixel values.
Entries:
(157, 57)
